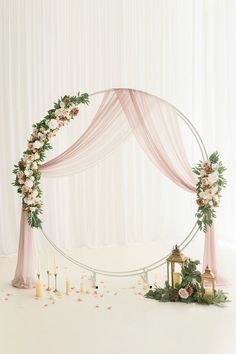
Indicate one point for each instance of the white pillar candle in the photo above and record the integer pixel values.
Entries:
(39, 288)
(177, 278)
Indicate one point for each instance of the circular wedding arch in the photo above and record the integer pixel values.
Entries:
(143, 271)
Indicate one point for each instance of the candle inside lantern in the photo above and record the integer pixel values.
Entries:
(177, 278)
(39, 288)
(68, 286)
(208, 291)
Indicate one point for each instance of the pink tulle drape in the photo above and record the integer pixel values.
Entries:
(154, 123)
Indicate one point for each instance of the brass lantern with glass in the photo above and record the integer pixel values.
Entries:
(208, 282)
(175, 260)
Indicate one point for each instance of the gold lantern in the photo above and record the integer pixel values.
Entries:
(175, 258)
(208, 282)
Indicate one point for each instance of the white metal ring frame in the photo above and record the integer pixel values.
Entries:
(143, 272)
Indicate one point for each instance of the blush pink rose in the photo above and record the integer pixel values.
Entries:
(20, 174)
(25, 189)
(183, 293)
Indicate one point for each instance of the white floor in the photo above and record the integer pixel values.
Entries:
(115, 320)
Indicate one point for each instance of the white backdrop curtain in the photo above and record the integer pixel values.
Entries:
(183, 51)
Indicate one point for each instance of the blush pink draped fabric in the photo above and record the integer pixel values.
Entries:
(122, 112)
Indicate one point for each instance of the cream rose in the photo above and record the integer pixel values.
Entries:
(36, 156)
(28, 173)
(53, 124)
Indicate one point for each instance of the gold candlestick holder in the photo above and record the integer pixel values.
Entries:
(55, 279)
(48, 275)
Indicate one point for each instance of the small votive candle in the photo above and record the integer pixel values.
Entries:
(68, 286)
(82, 288)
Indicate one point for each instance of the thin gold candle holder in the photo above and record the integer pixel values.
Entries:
(55, 279)
(48, 274)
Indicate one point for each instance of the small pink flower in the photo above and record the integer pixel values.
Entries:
(60, 124)
(30, 146)
(30, 158)
(205, 181)
(183, 293)
(50, 135)
(206, 164)
(35, 132)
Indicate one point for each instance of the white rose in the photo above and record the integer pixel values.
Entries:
(53, 124)
(62, 104)
(32, 178)
(29, 183)
(213, 177)
(37, 144)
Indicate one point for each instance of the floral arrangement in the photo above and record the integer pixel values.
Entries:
(27, 172)
(190, 290)
(210, 183)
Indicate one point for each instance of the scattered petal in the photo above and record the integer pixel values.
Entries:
(79, 299)
(97, 306)
(109, 308)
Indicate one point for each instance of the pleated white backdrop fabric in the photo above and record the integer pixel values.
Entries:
(183, 51)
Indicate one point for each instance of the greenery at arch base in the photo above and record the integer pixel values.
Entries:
(189, 291)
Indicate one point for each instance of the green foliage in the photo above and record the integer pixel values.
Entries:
(191, 283)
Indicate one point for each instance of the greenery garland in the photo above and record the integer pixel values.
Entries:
(209, 185)
(189, 291)
(27, 173)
